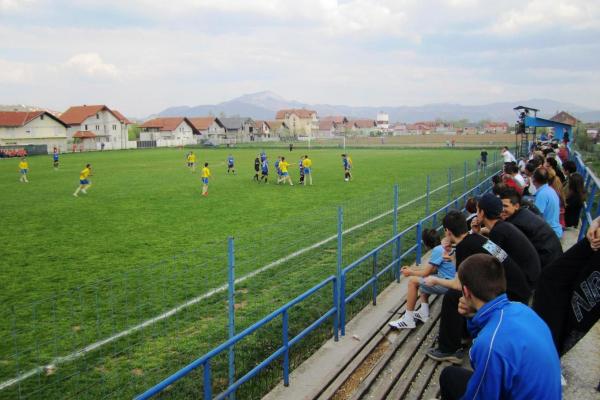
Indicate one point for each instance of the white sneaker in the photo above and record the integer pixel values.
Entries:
(83, 191)
(417, 315)
(402, 324)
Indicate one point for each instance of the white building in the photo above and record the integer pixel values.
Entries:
(169, 131)
(18, 128)
(92, 126)
(383, 121)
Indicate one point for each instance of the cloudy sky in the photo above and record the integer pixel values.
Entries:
(141, 56)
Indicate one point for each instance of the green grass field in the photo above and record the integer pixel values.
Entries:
(143, 240)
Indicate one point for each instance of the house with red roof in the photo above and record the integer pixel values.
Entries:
(495, 127)
(169, 131)
(19, 128)
(208, 127)
(96, 127)
(300, 121)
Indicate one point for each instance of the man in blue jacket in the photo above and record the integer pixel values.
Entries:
(513, 355)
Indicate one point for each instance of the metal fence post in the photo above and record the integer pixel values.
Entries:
(374, 277)
(207, 381)
(418, 238)
(286, 354)
(449, 185)
(395, 227)
(465, 179)
(427, 196)
(399, 259)
(340, 281)
(231, 263)
(336, 304)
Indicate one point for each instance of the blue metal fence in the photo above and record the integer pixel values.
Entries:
(380, 266)
(592, 188)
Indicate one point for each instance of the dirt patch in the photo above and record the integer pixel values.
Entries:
(350, 385)
(101, 369)
(238, 306)
(76, 328)
(137, 372)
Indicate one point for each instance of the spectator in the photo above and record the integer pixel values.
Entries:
(565, 298)
(555, 183)
(509, 238)
(546, 200)
(513, 356)
(529, 189)
(452, 323)
(552, 163)
(471, 209)
(483, 158)
(507, 156)
(569, 167)
(574, 201)
(439, 266)
(511, 172)
(533, 226)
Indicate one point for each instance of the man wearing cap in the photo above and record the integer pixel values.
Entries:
(507, 236)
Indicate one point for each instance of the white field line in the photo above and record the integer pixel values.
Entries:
(83, 351)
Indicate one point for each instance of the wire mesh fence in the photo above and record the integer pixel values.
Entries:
(116, 337)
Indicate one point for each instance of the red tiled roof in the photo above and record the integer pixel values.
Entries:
(496, 125)
(565, 118)
(202, 123)
(167, 123)
(121, 117)
(326, 125)
(338, 119)
(18, 118)
(364, 123)
(300, 112)
(84, 134)
(77, 114)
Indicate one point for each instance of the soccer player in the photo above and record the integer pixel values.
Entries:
(205, 176)
(347, 161)
(263, 156)
(256, 168)
(277, 169)
(265, 170)
(230, 164)
(307, 165)
(23, 169)
(191, 161)
(301, 168)
(55, 158)
(285, 176)
(84, 182)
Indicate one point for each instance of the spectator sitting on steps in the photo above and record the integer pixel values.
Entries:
(438, 265)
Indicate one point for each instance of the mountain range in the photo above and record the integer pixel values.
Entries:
(264, 105)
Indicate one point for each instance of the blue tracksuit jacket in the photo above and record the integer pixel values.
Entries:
(513, 355)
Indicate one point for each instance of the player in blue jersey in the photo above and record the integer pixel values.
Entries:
(301, 170)
(263, 156)
(55, 158)
(347, 162)
(230, 164)
(264, 170)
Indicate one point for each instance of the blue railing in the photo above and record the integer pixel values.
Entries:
(396, 244)
(337, 312)
(283, 351)
(592, 188)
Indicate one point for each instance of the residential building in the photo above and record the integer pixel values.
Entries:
(301, 122)
(279, 129)
(94, 125)
(495, 127)
(400, 129)
(18, 128)
(208, 127)
(327, 128)
(171, 131)
(565, 118)
(470, 129)
(383, 121)
(242, 129)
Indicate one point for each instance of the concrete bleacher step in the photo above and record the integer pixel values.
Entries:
(398, 368)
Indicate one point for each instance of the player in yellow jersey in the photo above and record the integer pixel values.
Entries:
(285, 176)
(205, 176)
(84, 182)
(191, 161)
(23, 169)
(307, 165)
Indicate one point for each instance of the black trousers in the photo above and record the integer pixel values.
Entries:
(453, 382)
(567, 295)
(452, 324)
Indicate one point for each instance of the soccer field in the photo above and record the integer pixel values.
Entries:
(143, 239)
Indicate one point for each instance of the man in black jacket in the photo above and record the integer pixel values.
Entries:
(507, 236)
(539, 233)
(452, 323)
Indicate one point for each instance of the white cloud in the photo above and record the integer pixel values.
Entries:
(15, 72)
(15, 5)
(91, 65)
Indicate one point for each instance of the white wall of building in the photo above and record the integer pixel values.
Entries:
(41, 130)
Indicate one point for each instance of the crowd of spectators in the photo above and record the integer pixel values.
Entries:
(516, 298)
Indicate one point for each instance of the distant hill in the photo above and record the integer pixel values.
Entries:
(263, 105)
